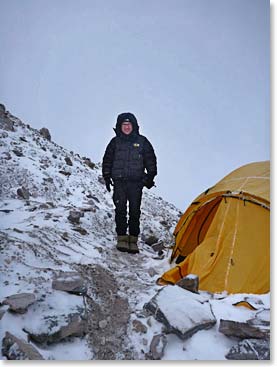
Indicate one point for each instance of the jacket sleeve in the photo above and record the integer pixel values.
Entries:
(149, 159)
(108, 160)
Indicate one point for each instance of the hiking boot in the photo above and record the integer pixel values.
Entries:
(133, 247)
(123, 243)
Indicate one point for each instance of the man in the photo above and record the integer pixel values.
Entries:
(127, 157)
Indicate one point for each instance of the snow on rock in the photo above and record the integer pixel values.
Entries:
(250, 349)
(244, 329)
(190, 282)
(69, 281)
(54, 328)
(19, 302)
(181, 312)
(18, 349)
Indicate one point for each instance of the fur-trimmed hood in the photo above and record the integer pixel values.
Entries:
(123, 117)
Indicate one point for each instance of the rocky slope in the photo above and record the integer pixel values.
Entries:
(56, 216)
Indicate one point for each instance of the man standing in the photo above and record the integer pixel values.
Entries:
(129, 164)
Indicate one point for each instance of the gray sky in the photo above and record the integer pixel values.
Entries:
(196, 73)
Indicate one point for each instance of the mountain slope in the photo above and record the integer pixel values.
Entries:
(56, 216)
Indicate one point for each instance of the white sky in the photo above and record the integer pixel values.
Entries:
(196, 73)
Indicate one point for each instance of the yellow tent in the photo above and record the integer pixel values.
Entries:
(224, 235)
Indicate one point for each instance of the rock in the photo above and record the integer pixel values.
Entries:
(18, 152)
(19, 302)
(158, 246)
(157, 346)
(5, 122)
(101, 180)
(250, 349)
(70, 282)
(139, 327)
(152, 272)
(144, 341)
(189, 282)
(4, 135)
(45, 133)
(54, 328)
(81, 230)
(90, 196)
(262, 318)
(74, 216)
(7, 156)
(65, 173)
(102, 324)
(89, 163)
(243, 330)
(23, 193)
(150, 240)
(43, 206)
(2, 110)
(68, 161)
(48, 179)
(18, 349)
(182, 312)
(2, 313)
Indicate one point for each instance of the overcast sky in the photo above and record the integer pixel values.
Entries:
(196, 73)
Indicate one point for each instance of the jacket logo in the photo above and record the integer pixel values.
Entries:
(136, 145)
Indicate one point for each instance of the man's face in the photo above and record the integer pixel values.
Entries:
(126, 127)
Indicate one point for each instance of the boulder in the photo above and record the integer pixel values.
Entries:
(54, 328)
(158, 246)
(20, 302)
(182, 312)
(243, 330)
(18, 152)
(151, 240)
(18, 349)
(2, 110)
(68, 161)
(81, 230)
(74, 216)
(189, 282)
(139, 327)
(65, 173)
(250, 349)
(23, 193)
(89, 163)
(5, 122)
(157, 347)
(45, 133)
(70, 282)
(101, 180)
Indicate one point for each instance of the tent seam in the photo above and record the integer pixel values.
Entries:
(232, 246)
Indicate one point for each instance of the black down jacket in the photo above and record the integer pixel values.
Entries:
(128, 156)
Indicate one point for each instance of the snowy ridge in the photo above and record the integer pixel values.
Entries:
(41, 184)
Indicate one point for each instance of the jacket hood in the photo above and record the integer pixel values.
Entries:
(121, 118)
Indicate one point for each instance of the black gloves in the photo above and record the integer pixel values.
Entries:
(148, 181)
(109, 183)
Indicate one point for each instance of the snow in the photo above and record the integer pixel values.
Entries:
(35, 249)
(182, 308)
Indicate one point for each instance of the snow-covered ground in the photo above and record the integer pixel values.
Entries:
(39, 241)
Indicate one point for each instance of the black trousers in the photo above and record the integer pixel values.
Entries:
(127, 191)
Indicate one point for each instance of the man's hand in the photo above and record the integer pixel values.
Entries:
(109, 183)
(148, 181)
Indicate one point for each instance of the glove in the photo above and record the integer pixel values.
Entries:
(109, 183)
(148, 181)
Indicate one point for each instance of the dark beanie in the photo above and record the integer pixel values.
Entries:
(127, 116)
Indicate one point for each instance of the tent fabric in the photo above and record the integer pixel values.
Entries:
(224, 235)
